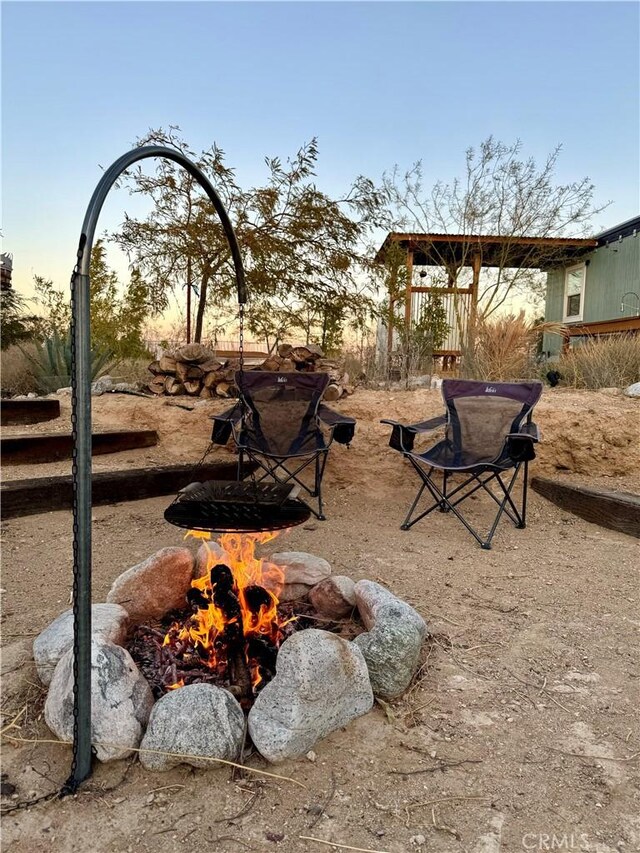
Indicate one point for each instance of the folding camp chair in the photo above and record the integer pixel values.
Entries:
(281, 424)
(488, 431)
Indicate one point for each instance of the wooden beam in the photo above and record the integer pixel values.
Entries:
(445, 290)
(29, 411)
(50, 447)
(471, 239)
(614, 510)
(48, 494)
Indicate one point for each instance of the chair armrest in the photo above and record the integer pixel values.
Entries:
(520, 444)
(403, 435)
(527, 430)
(225, 423)
(342, 426)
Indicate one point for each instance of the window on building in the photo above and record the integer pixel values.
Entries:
(574, 292)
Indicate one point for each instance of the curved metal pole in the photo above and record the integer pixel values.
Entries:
(81, 433)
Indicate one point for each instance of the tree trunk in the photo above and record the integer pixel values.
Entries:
(189, 300)
(202, 304)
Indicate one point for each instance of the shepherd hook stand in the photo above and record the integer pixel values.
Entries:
(81, 436)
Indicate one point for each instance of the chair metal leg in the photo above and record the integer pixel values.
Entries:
(444, 505)
(525, 487)
(405, 524)
(445, 501)
(318, 485)
(507, 499)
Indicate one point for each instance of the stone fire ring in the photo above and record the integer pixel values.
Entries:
(322, 681)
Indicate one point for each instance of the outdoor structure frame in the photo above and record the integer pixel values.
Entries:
(453, 252)
(81, 433)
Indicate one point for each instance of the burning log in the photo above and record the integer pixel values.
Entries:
(232, 629)
(263, 653)
(197, 598)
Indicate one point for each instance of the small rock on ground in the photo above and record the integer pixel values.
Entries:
(335, 596)
(196, 720)
(321, 684)
(300, 567)
(154, 587)
(392, 651)
(293, 591)
(391, 646)
(121, 701)
(109, 623)
(370, 596)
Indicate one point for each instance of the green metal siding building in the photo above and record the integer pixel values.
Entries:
(598, 293)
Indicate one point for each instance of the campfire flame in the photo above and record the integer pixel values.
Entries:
(235, 627)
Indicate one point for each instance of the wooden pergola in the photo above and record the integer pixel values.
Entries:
(453, 252)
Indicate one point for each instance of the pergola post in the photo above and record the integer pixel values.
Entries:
(407, 298)
(476, 265)
(393, 289)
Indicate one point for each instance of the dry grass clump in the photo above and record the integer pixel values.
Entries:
(612, 362)
(503, 349)
(131, 370)
(16, 371)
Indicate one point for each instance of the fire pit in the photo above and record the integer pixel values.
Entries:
(231, 630)
(191, 654)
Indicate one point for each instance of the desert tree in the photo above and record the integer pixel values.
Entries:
(17, 325)
(501, 193)
(118, 312)
(313, 319)
(299, 245)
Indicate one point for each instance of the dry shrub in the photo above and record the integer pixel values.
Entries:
(132, 370)
(18, 377)
(612, 362)
(16, 370)
(503, 349)
(363, 365)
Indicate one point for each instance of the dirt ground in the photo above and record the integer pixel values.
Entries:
(520, 732)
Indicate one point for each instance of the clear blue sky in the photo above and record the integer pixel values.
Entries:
(378, 83)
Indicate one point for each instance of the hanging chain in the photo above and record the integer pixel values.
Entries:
(241, 345)
(198, 465)
(244, 409)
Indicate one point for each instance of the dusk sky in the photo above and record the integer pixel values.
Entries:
(378, 83)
